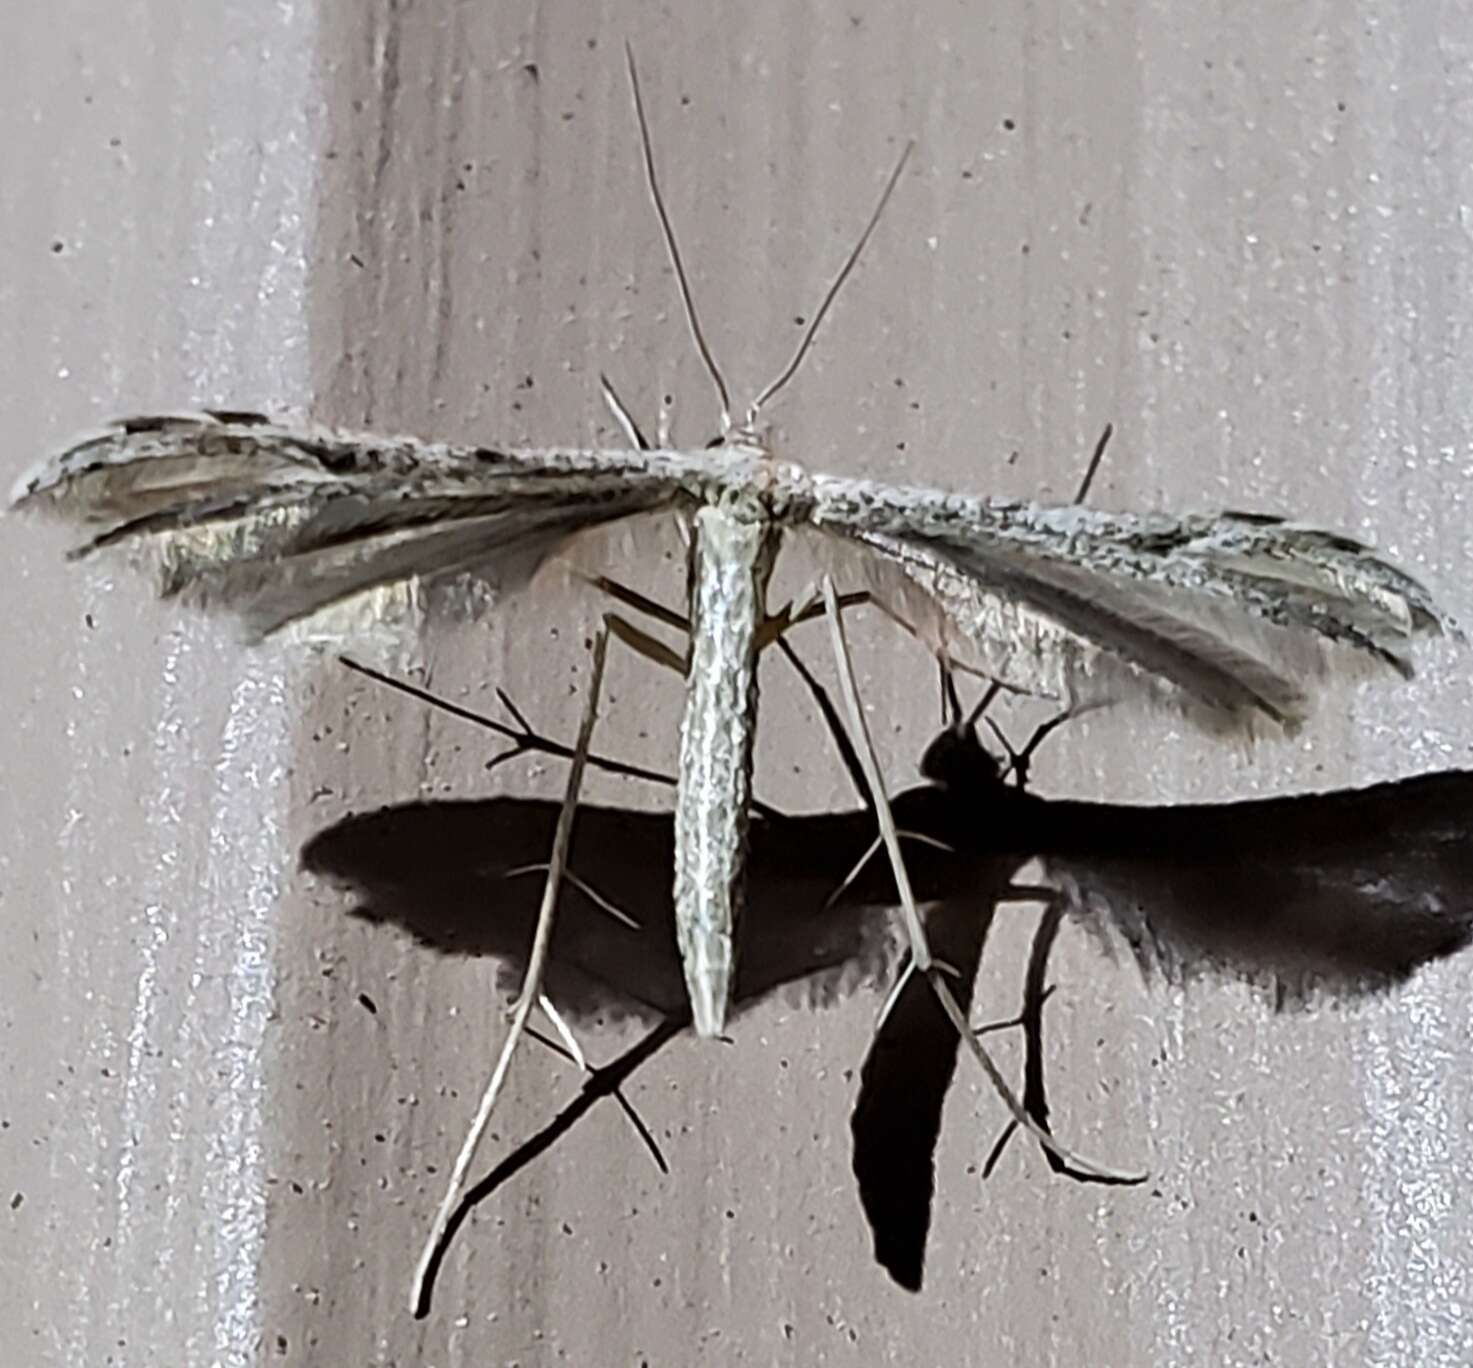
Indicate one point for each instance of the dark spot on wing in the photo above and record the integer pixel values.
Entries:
(148, 423)
(338, 459)
(1253, 519)
(240, 417)
(165, 520)
(1160, 543)
(1336, 542)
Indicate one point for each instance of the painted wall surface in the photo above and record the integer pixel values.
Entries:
(1240, 232)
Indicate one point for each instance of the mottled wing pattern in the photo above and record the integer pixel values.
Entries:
(1233, 610)
(1229, 613)
(275, 523)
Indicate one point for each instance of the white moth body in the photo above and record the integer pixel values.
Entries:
(733, 550)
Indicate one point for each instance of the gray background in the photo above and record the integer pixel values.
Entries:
(1239, 231)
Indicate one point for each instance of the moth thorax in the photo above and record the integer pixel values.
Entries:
(749, 441)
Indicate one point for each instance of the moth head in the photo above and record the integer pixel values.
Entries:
(747, 439)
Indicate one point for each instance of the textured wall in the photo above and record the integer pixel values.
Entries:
(1240, 232)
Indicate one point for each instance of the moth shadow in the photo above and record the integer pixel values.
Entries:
(1337, 895)
(467, 878)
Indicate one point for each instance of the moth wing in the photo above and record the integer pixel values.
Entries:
(1234, 614)
(276, 523)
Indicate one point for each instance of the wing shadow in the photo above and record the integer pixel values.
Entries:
(1338, 894)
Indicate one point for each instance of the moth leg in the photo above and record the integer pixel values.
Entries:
(837, 732)
(920, 952)
(601, 1082)
(641, 603)
(1009, 1024)
(1035, 989)
(773, 631)
(1035, 994)
(603, 904)
(920, 955)
(636, 638)
(522, 736)
(778, 624)
(1035, 1097)
(604, 1080)
(531, 983)
(570, 1050)
(564, 1032)
(642, 643)
(874, 849)
(1035, 1100)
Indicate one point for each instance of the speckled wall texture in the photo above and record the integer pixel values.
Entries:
(1240, 232)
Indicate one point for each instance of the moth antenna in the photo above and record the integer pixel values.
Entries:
(1094, 463)
(652, 181)
(621, 413)
(791, 368)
